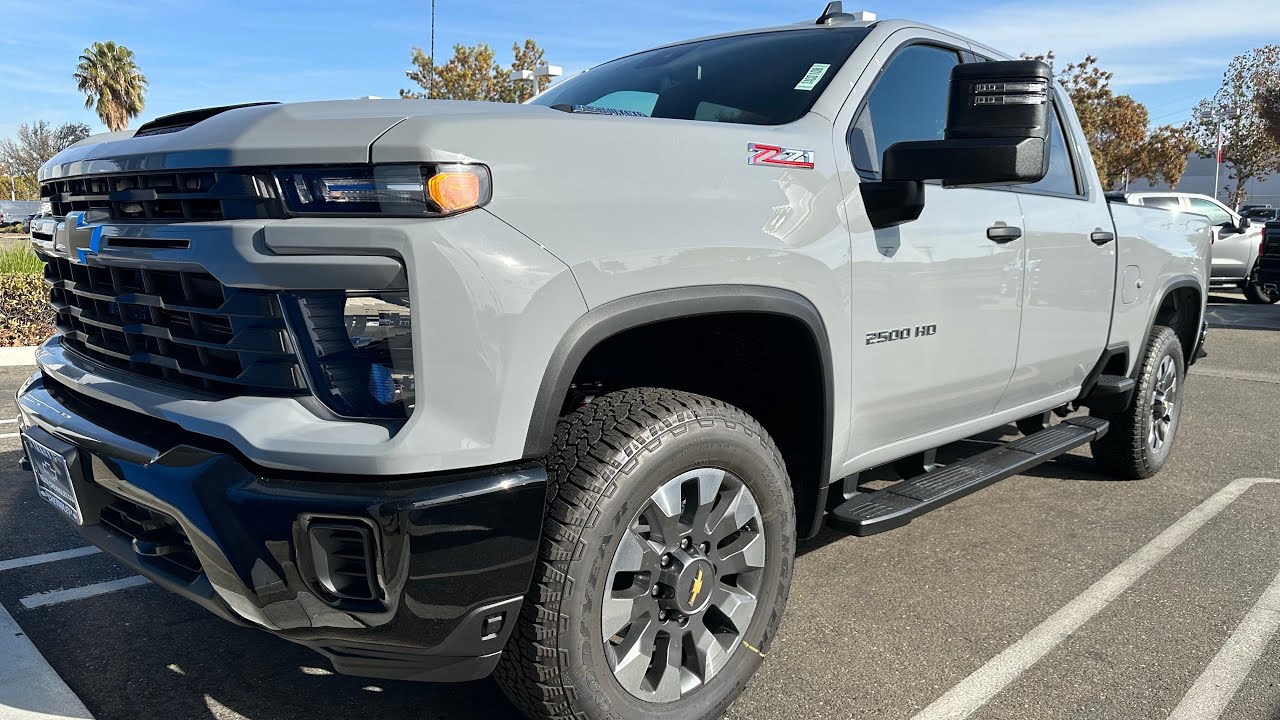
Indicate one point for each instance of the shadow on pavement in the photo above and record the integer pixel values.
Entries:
(1233, 311)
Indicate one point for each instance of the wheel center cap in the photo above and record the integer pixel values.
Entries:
(693, 589)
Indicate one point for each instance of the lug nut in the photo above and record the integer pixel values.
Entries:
(656, 591)
(684, 620)
(705, 547)
(666, 560)
(662, 616)
(686, 543)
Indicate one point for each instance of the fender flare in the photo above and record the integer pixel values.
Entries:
(617, 316)
(1178, 282)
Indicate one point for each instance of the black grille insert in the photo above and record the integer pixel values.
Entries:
(180, 327)
(168, 197)
(155, 536)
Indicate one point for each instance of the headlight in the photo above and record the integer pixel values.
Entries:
(358, 349)
(396, 190)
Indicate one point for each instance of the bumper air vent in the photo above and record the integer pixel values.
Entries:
(343, 558)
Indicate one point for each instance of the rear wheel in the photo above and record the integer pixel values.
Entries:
(1141, 436)
(665, 563)
(1255, 292)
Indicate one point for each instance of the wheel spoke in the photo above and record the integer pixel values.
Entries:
(665, 516)
(736, 604)
(709, 654)
(710, 480)
(635, 653)
(732, 514)
(634, 554)
(669, 683)
(743, 554)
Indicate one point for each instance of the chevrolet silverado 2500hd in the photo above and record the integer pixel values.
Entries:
(439, 388)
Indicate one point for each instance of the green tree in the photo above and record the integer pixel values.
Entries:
(31, 148)
(112, 83)
(473, 73)
(1117, 127)
(1252, 151)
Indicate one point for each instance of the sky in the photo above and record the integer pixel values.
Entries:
(1166, 53)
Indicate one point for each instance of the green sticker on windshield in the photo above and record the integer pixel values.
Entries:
(814, 76)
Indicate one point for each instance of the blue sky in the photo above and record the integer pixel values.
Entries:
(1167, 53)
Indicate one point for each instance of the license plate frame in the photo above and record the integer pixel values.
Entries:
(52, 469)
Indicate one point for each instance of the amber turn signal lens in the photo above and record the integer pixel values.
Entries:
(454, 191)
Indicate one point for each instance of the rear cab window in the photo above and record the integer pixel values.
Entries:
(1164, 203)
(769, 78)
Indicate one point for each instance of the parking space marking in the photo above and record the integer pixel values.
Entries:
(47, 558)
(6, 436)
(1209, 696)
(987, 681)
(29, 687)
(10, 421)
(55, 597)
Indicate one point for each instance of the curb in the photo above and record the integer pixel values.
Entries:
(17, 356)
(29, 688)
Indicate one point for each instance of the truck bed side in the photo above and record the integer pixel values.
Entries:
(1159, 252)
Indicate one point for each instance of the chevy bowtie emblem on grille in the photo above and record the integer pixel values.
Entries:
(760, 154)
(75, 237)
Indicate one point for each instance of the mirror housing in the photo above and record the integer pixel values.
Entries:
(997, 129)
(1243, 225)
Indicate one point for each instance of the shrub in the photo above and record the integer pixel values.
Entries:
(20, 259)
(26, 318)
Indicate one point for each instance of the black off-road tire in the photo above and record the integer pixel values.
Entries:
(1255, 293)
(606, 460)
(1125, 452)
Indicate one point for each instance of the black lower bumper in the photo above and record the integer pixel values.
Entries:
(410, 578)
(1268, 270)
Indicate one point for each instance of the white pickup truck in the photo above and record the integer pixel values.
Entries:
(554, 389)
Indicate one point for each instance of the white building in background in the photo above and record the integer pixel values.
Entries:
(1199, 179)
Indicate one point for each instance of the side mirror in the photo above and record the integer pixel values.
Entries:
(1244, 224)
(997, 129)
(997, 134)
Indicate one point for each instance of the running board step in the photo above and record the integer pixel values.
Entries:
(1108, 385)
(895, 506)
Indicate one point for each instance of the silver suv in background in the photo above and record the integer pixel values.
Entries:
(1236, 241)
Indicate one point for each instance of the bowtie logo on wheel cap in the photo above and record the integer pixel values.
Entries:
(697, 588)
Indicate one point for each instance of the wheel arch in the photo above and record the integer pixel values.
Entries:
(614, 319)
(1181, 306)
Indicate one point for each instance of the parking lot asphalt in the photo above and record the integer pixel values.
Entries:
(1053, 573)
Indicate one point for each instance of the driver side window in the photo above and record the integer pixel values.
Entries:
(908, 102)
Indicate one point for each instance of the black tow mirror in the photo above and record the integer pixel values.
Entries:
(997, 129)
(1244, 224)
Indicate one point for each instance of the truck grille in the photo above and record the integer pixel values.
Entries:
(168, 196)
(180, 327)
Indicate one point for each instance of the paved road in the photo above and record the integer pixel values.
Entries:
(1054, 566)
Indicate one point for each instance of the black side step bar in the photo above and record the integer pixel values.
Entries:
(895, 506)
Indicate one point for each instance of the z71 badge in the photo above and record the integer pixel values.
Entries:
(758, 154)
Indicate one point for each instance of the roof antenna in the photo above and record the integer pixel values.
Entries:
(834, 11)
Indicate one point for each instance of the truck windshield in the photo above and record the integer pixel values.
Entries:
(768, 78)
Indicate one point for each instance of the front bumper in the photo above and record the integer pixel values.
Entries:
(451, 555)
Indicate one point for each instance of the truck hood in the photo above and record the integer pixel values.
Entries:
(309, 133)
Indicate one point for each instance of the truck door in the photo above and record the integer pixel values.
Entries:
(1233, 251)
(935, 302)
(1070, 278)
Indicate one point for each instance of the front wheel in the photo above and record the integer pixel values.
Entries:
(665, 562)
(1257, 293)
(1141, 435)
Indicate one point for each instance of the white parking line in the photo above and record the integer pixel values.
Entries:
(6, 436)
(47, 558)
(10, 421)
(987, 681)
(54, 597)
(29, 688)
(1209, 697)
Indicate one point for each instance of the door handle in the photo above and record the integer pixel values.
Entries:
(1102, 237)
(1002, 234)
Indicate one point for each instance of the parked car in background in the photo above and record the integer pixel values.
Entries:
(1236, 247)
(1244, 209)
(1268, 272)
(1261, 215)
(26, 223)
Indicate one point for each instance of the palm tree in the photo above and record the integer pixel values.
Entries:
(112, 83)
